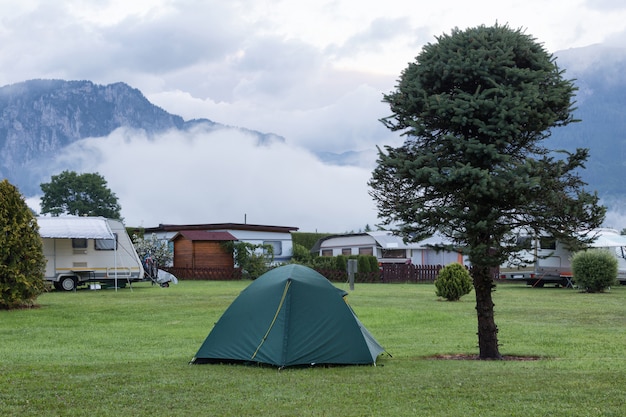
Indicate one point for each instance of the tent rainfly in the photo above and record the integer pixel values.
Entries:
(290, 316)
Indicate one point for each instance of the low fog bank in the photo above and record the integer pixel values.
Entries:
(205, 176)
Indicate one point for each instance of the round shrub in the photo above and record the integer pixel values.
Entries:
(300, 254)
(323, 262)
(594, 270)
(453, 282)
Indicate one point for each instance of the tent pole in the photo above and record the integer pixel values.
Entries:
(106, 221)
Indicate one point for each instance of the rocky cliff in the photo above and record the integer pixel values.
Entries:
(41, 117)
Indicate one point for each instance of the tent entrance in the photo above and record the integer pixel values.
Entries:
(280, 306)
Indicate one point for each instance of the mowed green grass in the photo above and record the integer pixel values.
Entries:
(126, 353)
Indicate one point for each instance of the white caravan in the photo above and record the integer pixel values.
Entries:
(81, 250)
(548, 261)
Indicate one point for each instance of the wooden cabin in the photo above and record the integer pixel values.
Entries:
(277, 236)
(196, 249)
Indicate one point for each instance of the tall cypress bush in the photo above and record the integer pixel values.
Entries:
(341, 263)
(22, 264)
(363, 264)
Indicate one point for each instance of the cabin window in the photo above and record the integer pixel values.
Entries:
(105, 244)
(366, 251)
(346, 251)
(394, 253)
(276, 244)
(79, 243)
(327, 252)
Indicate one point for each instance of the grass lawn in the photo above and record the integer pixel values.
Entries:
(126, 353)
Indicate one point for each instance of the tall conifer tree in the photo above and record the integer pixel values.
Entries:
(475, 108)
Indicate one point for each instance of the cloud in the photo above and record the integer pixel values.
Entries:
(75, 41)
(376, 36)
(331, 110)
(272, 67)
(175, 40)
(605, 5)
(222, 176)
(312, 72)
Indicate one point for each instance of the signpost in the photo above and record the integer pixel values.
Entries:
(352, 269)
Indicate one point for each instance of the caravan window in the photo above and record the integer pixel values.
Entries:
(524, 242)
(106, 244)
(366, 251)
(394, 253)
(276, 244)
(79, 243)
(547, 243)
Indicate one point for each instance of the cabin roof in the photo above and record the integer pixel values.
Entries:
(203, 235)
(220, 226)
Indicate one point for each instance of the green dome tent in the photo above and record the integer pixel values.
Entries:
(289, 316)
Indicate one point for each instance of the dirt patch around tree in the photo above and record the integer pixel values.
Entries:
(467, 357)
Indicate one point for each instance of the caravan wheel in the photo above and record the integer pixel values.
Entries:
(68, 284)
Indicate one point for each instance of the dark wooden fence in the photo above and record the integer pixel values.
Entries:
(389, 273)
(340, 276)
(205, 274)
(394, 273)
(409, 273)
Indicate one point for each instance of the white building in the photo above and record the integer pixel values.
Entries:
(388, 248)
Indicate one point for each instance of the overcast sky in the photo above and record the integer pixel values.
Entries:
(312, 71)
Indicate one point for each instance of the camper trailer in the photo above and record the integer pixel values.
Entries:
(547, 261)
(88, 250)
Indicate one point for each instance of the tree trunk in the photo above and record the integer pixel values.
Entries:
(487, 329)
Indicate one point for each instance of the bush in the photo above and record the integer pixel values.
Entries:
(254, 260)
(301, 254)
(373, 263)
(256, 265)
(363, 264)
(594, 270)
(308, 240)
(323, 262)
(22, 263)
(152, 247)
(453, 282)
(341, 263)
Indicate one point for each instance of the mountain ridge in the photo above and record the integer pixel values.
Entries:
(40, 117)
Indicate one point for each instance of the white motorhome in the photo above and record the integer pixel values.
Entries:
(81, 250)
(548, 261)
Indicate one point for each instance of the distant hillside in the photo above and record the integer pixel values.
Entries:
(601, 106)
(41, 117)
(598, 72)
